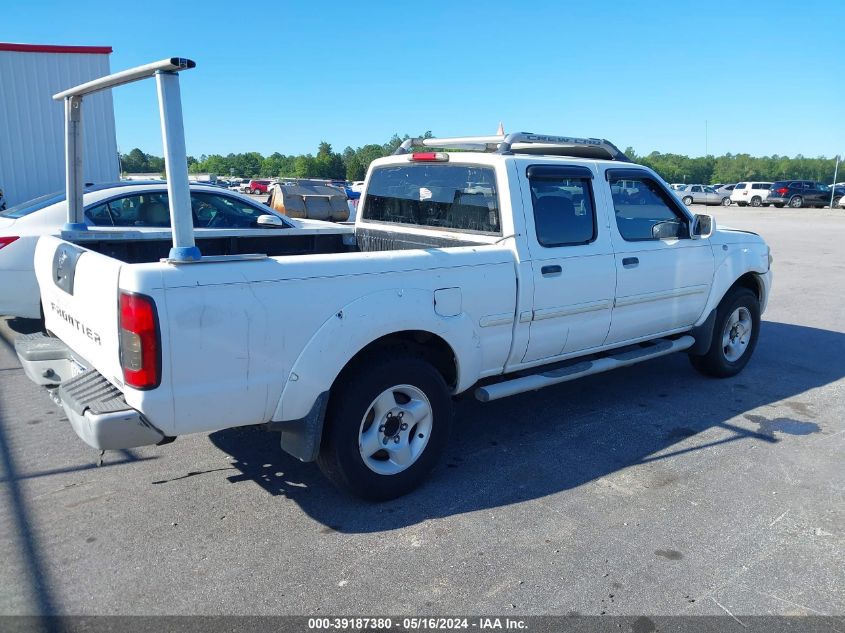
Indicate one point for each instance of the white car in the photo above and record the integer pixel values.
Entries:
(119, 210)
(751, 193)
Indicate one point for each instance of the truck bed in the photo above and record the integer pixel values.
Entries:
(140, 248)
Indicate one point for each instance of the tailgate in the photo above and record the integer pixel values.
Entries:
(79, 293)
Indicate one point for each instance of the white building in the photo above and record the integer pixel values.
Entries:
(32, 159)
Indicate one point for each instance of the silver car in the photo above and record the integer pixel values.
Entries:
(700, 194)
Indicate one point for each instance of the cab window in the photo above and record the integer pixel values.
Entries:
(646, 212)
(447, 197)
(564, 210)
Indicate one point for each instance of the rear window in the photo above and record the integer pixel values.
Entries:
(780, 184)
(448, 197)
(31, 206)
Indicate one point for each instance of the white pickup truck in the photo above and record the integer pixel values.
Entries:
(505, 267)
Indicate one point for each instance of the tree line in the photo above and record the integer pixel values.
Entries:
(351, 164)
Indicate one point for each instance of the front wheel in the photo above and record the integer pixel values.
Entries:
(386, 427)
(687, 200)
(734, 335)
(796, 202)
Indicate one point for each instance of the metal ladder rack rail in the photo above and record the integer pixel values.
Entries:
(165, 72)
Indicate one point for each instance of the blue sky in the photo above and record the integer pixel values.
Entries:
(756, 77)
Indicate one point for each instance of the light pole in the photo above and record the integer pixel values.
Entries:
(833, 187)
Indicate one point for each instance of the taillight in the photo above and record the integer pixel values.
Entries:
(440, 157)
(140, 356)
(5, 241)
(782, 191)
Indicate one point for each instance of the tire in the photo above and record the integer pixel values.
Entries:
(252, 191)
(726, 202)
(731, 349)
(687, 200)
(356, 416)
(756, 201)
(796, 202)
(836, 201)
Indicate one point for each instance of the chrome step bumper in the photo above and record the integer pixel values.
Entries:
(96, 408)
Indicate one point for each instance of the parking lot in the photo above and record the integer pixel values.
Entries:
(649, 490)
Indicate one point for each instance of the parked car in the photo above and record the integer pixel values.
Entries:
(803, 193)
(2, 201)
(469, 271)
(751, 193)
(256, 187)
(699, 194)
(134, 212)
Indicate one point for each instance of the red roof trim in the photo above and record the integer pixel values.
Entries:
(51, 48)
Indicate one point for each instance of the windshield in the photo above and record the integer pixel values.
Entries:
(31, 206)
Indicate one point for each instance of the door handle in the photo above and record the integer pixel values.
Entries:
(630, 262)
(549, 271)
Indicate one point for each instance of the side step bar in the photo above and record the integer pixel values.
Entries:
(620, 358)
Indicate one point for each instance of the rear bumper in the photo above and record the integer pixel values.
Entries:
(95, 408)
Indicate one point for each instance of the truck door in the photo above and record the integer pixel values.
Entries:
(663, 276)
(571, 262)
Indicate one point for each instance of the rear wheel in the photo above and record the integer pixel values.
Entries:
(836, 202)
(726, 202)
(687, 200)
(734, 335)
(386, 427)
(756, 201)
(796, 202)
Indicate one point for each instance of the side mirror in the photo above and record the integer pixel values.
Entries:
(702, 226)
(270, 221)
(668, 230)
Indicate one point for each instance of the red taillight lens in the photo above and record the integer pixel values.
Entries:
(140, 356)
(441, 157)
(782, 191)
(5, 241)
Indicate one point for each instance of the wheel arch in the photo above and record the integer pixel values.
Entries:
(743, 267)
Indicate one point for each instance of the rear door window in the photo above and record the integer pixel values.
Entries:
(447, 197)
(563, 205)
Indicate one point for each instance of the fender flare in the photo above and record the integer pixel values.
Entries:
(734, 266)
(362, 322)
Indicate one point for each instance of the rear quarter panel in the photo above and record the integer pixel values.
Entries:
(234, 331)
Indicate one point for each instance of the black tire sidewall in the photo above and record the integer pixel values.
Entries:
(714, 362)
(341, 461)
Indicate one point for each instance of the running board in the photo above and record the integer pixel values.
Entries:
(620, 358)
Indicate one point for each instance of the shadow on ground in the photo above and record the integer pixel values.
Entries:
(541, 443)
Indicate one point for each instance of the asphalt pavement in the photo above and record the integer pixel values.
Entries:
(647, 490)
